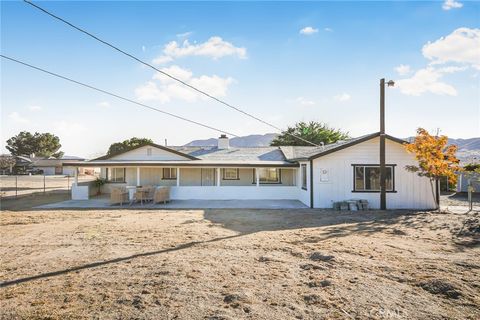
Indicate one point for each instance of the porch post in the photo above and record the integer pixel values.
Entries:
(138, 176)
(75, 174)
(218, 177)
(257, 173)
(178, 177)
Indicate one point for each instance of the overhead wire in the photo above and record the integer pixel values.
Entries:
(115, 95)
(168, 75)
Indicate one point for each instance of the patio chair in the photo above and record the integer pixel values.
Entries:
(150, 193)
(118, 196)
(161, 194)
(140, 195)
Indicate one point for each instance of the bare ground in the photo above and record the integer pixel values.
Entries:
(239, 264)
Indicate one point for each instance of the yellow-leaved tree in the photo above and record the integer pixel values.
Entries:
(435, 158)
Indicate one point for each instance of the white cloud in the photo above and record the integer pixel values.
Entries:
(425, 80)
(162, 60)
(185, 34)
(451, 4)
(35, 108)
(328, 29)
(163, 89)
(304, 102)
(214, 48)
(17, 118)
(104, 104)
(308, 31)
(403, 69)
(343, 97)
(461, 46)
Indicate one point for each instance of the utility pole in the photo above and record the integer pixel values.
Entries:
(383, 190)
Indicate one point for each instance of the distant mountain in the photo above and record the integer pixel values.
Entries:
(253, 140)
(468, 149)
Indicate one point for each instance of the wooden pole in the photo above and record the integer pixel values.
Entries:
(383, 193)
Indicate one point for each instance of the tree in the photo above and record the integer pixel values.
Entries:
(7, 162)
(40, 144)
(435, 158)
(315, 132)
(127, 144)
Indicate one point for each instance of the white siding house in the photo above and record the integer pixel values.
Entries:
(316, 176)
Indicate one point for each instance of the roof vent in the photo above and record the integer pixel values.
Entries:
(223, 142)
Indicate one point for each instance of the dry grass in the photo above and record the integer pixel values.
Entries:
(234, 264)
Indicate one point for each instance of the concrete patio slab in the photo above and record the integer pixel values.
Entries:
(103, 203)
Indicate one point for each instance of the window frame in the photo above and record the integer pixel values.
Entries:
(279, 175)
(303, 176)
(237, 170)
(355, 166)
(111, 171)
(170, 173)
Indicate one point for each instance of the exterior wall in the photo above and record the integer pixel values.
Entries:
(141, 154)
(48, 171)
(412, 191)
(68, 171)
(245, 176)
(303, 194)
(234, 193)
(190, 176)
(463, 180)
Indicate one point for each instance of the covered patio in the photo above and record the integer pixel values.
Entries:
(104, 203)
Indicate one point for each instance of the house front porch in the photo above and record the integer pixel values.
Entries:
(103, 202)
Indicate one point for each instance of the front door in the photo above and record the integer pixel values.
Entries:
(208, 177)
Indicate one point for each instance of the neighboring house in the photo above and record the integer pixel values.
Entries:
(317, 176)
(464, 179)
(54, 166)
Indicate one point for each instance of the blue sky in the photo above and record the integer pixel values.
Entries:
(283, 62)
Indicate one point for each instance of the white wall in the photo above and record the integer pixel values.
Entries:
(413, 192)
(234, 193)
(141, 154)
(303, 195)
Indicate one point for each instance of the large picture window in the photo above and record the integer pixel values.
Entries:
(230, 174)
(169, 173)
(366, 178)
(116, 175)
(268, 175)
(304, 176)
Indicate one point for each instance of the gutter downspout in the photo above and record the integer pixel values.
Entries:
(311, 184)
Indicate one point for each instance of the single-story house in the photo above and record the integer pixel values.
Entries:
(316, 176)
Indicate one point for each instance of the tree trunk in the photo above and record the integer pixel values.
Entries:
(434, 189)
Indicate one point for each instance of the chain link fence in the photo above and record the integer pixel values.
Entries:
(12, 186)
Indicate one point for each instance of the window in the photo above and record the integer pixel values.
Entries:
(230, 174)
(367, 178)
(268, 175)
(116, 174)
(149, 151)
(169, 173)
(304, 176)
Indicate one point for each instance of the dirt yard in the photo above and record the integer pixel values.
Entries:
(238, 264)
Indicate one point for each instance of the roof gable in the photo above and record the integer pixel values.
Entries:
(337, 147)
(157, 152)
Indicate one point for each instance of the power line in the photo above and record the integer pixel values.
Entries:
(166, 74)
(115, 95)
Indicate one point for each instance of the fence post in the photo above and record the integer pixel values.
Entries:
(43, 183)
(16, 185)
